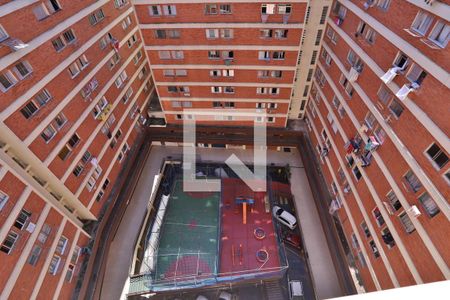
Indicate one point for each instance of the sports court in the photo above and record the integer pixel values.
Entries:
(189, 235)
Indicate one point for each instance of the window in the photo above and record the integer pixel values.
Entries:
(154, 10)
(396, 108)
(216, 89)
(416, 74)
(54, 264)
(393, 200)
(370, 120)
(378, 217)
(164, 54)
(413, 182)
(228, 73)
(120, 3)
(7, 80)
(105, 184)
(137, 57)
(121, 79)
(225, 9)
(131, 41)
(210, 9)
(170, 10)
(357, 173)
(126, 23)
(429, 205)
(3, 199)
(263, 55)
(438, 156)
(276, 74)
(29, 109)
(173, 34)
(214, 54)
(69, 36)
(440, 34)
(228, 90)
(268, 9)
(214, 73)
(365, 229)
(42, 97)
(406, 222)
(422, 22)
(284, 9)
(62, 243)
(384, 4)
(3, 34)
(8, 243)
(226, 33)
(281, 33)
(278, 55)
(172, 89)
(78, 170)
(265, 33)
(387, 237)
(48, 133)
(332, 35)
(74, 70)
(374, 248)
(212, 33)
(384, 94)
(45, 232)
(53, 6)
(22, 69)
(96, 17)
(22, 219)
(177, 54)
(34, 255)
(58, 44)
(74, 140)
(227, 54)
(160, 34)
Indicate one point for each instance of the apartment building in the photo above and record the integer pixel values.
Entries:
(229, 56)
(73, 80)
(378, 115)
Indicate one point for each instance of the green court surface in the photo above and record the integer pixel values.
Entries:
(189, 235)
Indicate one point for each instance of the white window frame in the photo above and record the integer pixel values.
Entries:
(439, 28)
(421, 25)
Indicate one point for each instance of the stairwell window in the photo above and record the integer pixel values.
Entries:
(440, 35)
(422, 22)
(437, 156)
(7, 81)
(429, 205)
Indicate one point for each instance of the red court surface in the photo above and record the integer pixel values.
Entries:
(240, 239)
